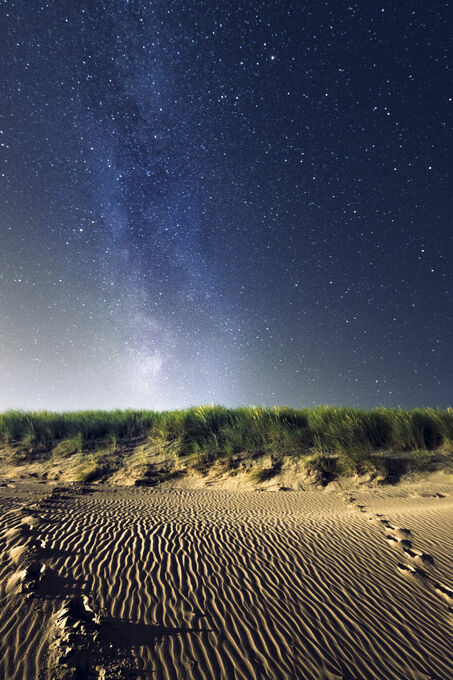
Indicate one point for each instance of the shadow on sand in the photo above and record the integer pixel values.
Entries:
(126, 634)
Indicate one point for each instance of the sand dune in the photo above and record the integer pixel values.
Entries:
(214, 584)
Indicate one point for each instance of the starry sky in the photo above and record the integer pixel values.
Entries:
(230, 202)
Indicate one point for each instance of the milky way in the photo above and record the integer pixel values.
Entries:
(225, 202)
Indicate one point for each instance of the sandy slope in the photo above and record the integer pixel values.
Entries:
(218, 584)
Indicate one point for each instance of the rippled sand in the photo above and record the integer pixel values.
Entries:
(217, 584)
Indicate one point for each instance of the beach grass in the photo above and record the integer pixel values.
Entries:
(203, 434)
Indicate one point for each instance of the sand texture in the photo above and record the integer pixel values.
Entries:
(102, 582)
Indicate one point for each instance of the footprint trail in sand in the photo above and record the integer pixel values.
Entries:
(400, 537)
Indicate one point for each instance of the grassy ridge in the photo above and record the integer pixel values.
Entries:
(211, 432)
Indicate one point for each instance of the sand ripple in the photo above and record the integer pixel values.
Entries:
(215, 584)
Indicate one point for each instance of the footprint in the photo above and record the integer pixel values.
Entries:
(403, 531)
(30, 521)
(444, 591)
(413, 571)
(76, 648)
(392, 539)
(26, 580)
(19, 552)
(417, 554)
(397, 540)
(398, 531)
(386, 523)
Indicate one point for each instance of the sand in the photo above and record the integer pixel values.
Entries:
(104, 582)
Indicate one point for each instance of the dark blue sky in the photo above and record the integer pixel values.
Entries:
(225, 202)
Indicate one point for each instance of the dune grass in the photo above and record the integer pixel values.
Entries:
(204, 434)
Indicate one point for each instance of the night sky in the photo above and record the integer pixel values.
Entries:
(228, 202)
